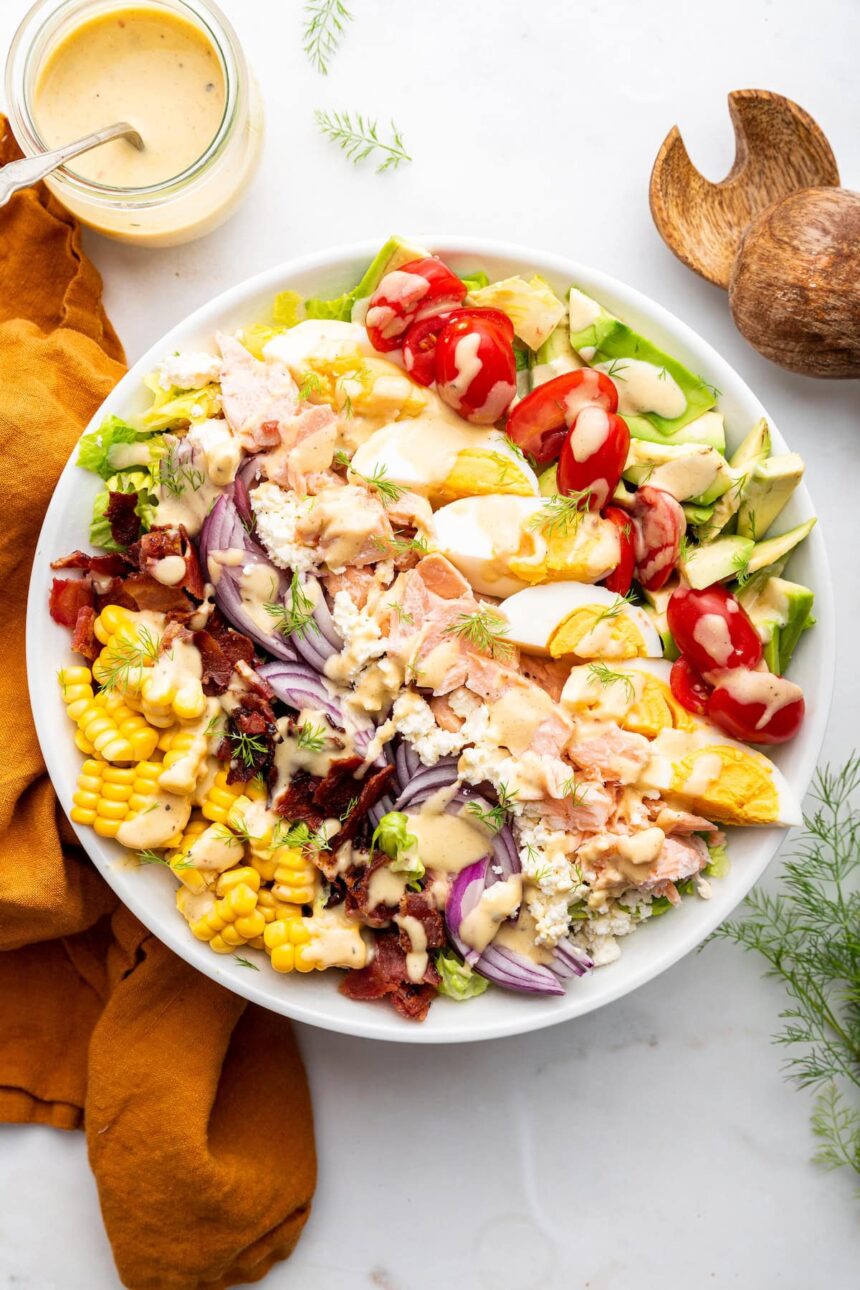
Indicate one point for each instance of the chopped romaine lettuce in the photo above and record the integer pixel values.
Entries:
(458, 980)
(117, 446)
(173, 407)
(392, 834)
(719, 864)
(395, 253)
(532, 306)
(474, 281)
(287, 308)
(141, 482)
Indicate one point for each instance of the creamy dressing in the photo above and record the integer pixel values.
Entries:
(589, 433)
(466, 361)
(296, 752)
(189, 507)
(221, 451)
(174, 678)
(417, 957)
(517, 715)
(123, 456)
(520, 937)
(146, 66)
(497, 903)
(712, 633)
(214, 850)
(644, 387)
(773, 692)
(164, 817)
(706, 769)
(169, 570)
(385, 887)
(447, 843)
(258, 587)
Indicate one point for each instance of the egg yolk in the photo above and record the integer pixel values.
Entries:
(478, 473)
(581, 552)
(589, 634)
(656, 709)
(736, 790)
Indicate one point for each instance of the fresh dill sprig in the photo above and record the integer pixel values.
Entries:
(295, 617)
(486, 630)
(246, 963)
(613, 610)
(403, 615)
(360, 137)
(397, 544)
(312, 383)
(149, 856)
(300, 836)
(246, 748)
(514, 447)
(215, 725)
(125, 657)
(604, 676)
(711, 388)
(388, 491)
(575, 791)
(310, 737)
(495, 817)
(325, 24)
(615, 370)
(808, 933)
(560, 515)
(741, 566)
(176, 477)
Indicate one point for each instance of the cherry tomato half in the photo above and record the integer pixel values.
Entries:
(593, 455)
(621, 577)
(758, 707)
(419, 342)
(658, 526)
(711, 629)
(688, 687)
(540, 422)
(415, 290)
(476, 372)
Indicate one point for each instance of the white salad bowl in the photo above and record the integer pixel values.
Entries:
(314, 998)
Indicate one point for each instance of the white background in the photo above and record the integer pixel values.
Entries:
(653, 1145)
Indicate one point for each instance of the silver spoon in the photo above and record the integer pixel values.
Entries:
(29, 170)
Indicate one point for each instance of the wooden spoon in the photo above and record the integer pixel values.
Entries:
(778, 150)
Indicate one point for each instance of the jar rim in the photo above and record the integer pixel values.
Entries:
(28, 44)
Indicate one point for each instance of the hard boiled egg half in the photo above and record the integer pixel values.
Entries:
(705, 772)
(503, 544)
(442, 457)
(571, 618)
(635, 695)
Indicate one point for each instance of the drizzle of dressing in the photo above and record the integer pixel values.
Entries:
(417, 957)
(258, 587)
(706, 769)
(155, 826)
(385, 887)
(496, 904)
(447, 843)
(773, 692)
(519, 937)
(169, 570)
(713, 634)
(583, 310)
(467, 362)
(517, 715)
(189, 507)
(589, 433)
(644, 387)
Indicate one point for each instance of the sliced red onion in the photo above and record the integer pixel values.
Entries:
(467, 890)
(427, 781)
(570, 960)
(250, 471)
(223, 530)
(407, 763)
(320, 638)
(300, 686)
(513, 971)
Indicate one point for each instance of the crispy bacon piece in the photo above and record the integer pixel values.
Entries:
(368, 791)
(338, 789)
(357, 882)
(68, 596)
(297, 803)
(221, 649)
(84, 640)
(163, 541)
(112, 565)
(122, 516)
(250, 740)
(386, 976)
(414, 904)
(148, 593)
(115, 594)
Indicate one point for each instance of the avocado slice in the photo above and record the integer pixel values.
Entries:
(718, 561)
(707, 429)
(661, 623)
(764, 554)
(699, 515)
(548, 481)
(780, 611)
(603, 340)
(687, 470)
(352, 304)
(753, 449)
(769, 486)
(555, 357)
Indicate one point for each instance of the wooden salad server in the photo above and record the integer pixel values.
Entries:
(777, 232)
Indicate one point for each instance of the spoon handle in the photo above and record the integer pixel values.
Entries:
(29, 170)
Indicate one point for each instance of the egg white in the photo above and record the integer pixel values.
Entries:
(535, 614)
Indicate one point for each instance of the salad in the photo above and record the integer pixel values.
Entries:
(431, 635)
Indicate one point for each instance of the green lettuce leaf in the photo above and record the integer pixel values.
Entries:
(458, 980)
(393, 836)
(474, 281)
(172, 408)
(719, 863)
(101, 450)
(127, 481)
(287, 308)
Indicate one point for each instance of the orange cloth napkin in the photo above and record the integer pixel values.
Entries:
(195, 1104)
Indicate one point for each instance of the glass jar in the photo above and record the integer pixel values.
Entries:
(191, 203)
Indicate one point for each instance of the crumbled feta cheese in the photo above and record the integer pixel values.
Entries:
(278, 511)
(190, 371)
(362, 634)
(414, 720)
(552, 918)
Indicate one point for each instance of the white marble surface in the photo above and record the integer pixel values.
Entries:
(654, 1144)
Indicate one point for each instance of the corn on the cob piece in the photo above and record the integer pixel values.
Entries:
(185, 753)
(234, 920)
(106, 724)
(327, 938)
(131, 641)
(222, 796)
(180, 861)
(295, 876)
(172, 687)
(102, 796)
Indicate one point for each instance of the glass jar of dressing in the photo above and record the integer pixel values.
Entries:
(174, 70)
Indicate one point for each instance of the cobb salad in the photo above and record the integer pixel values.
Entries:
(431, 634)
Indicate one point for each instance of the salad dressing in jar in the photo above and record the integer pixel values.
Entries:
(175, 71)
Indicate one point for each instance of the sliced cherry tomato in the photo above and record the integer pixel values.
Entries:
(593, 455)
(419, 343)
(658, 526)
(758, 707)
(540, 422)
(476, 373)
(621, 576)
(688, 687)
(415, 290)
(711, 629)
